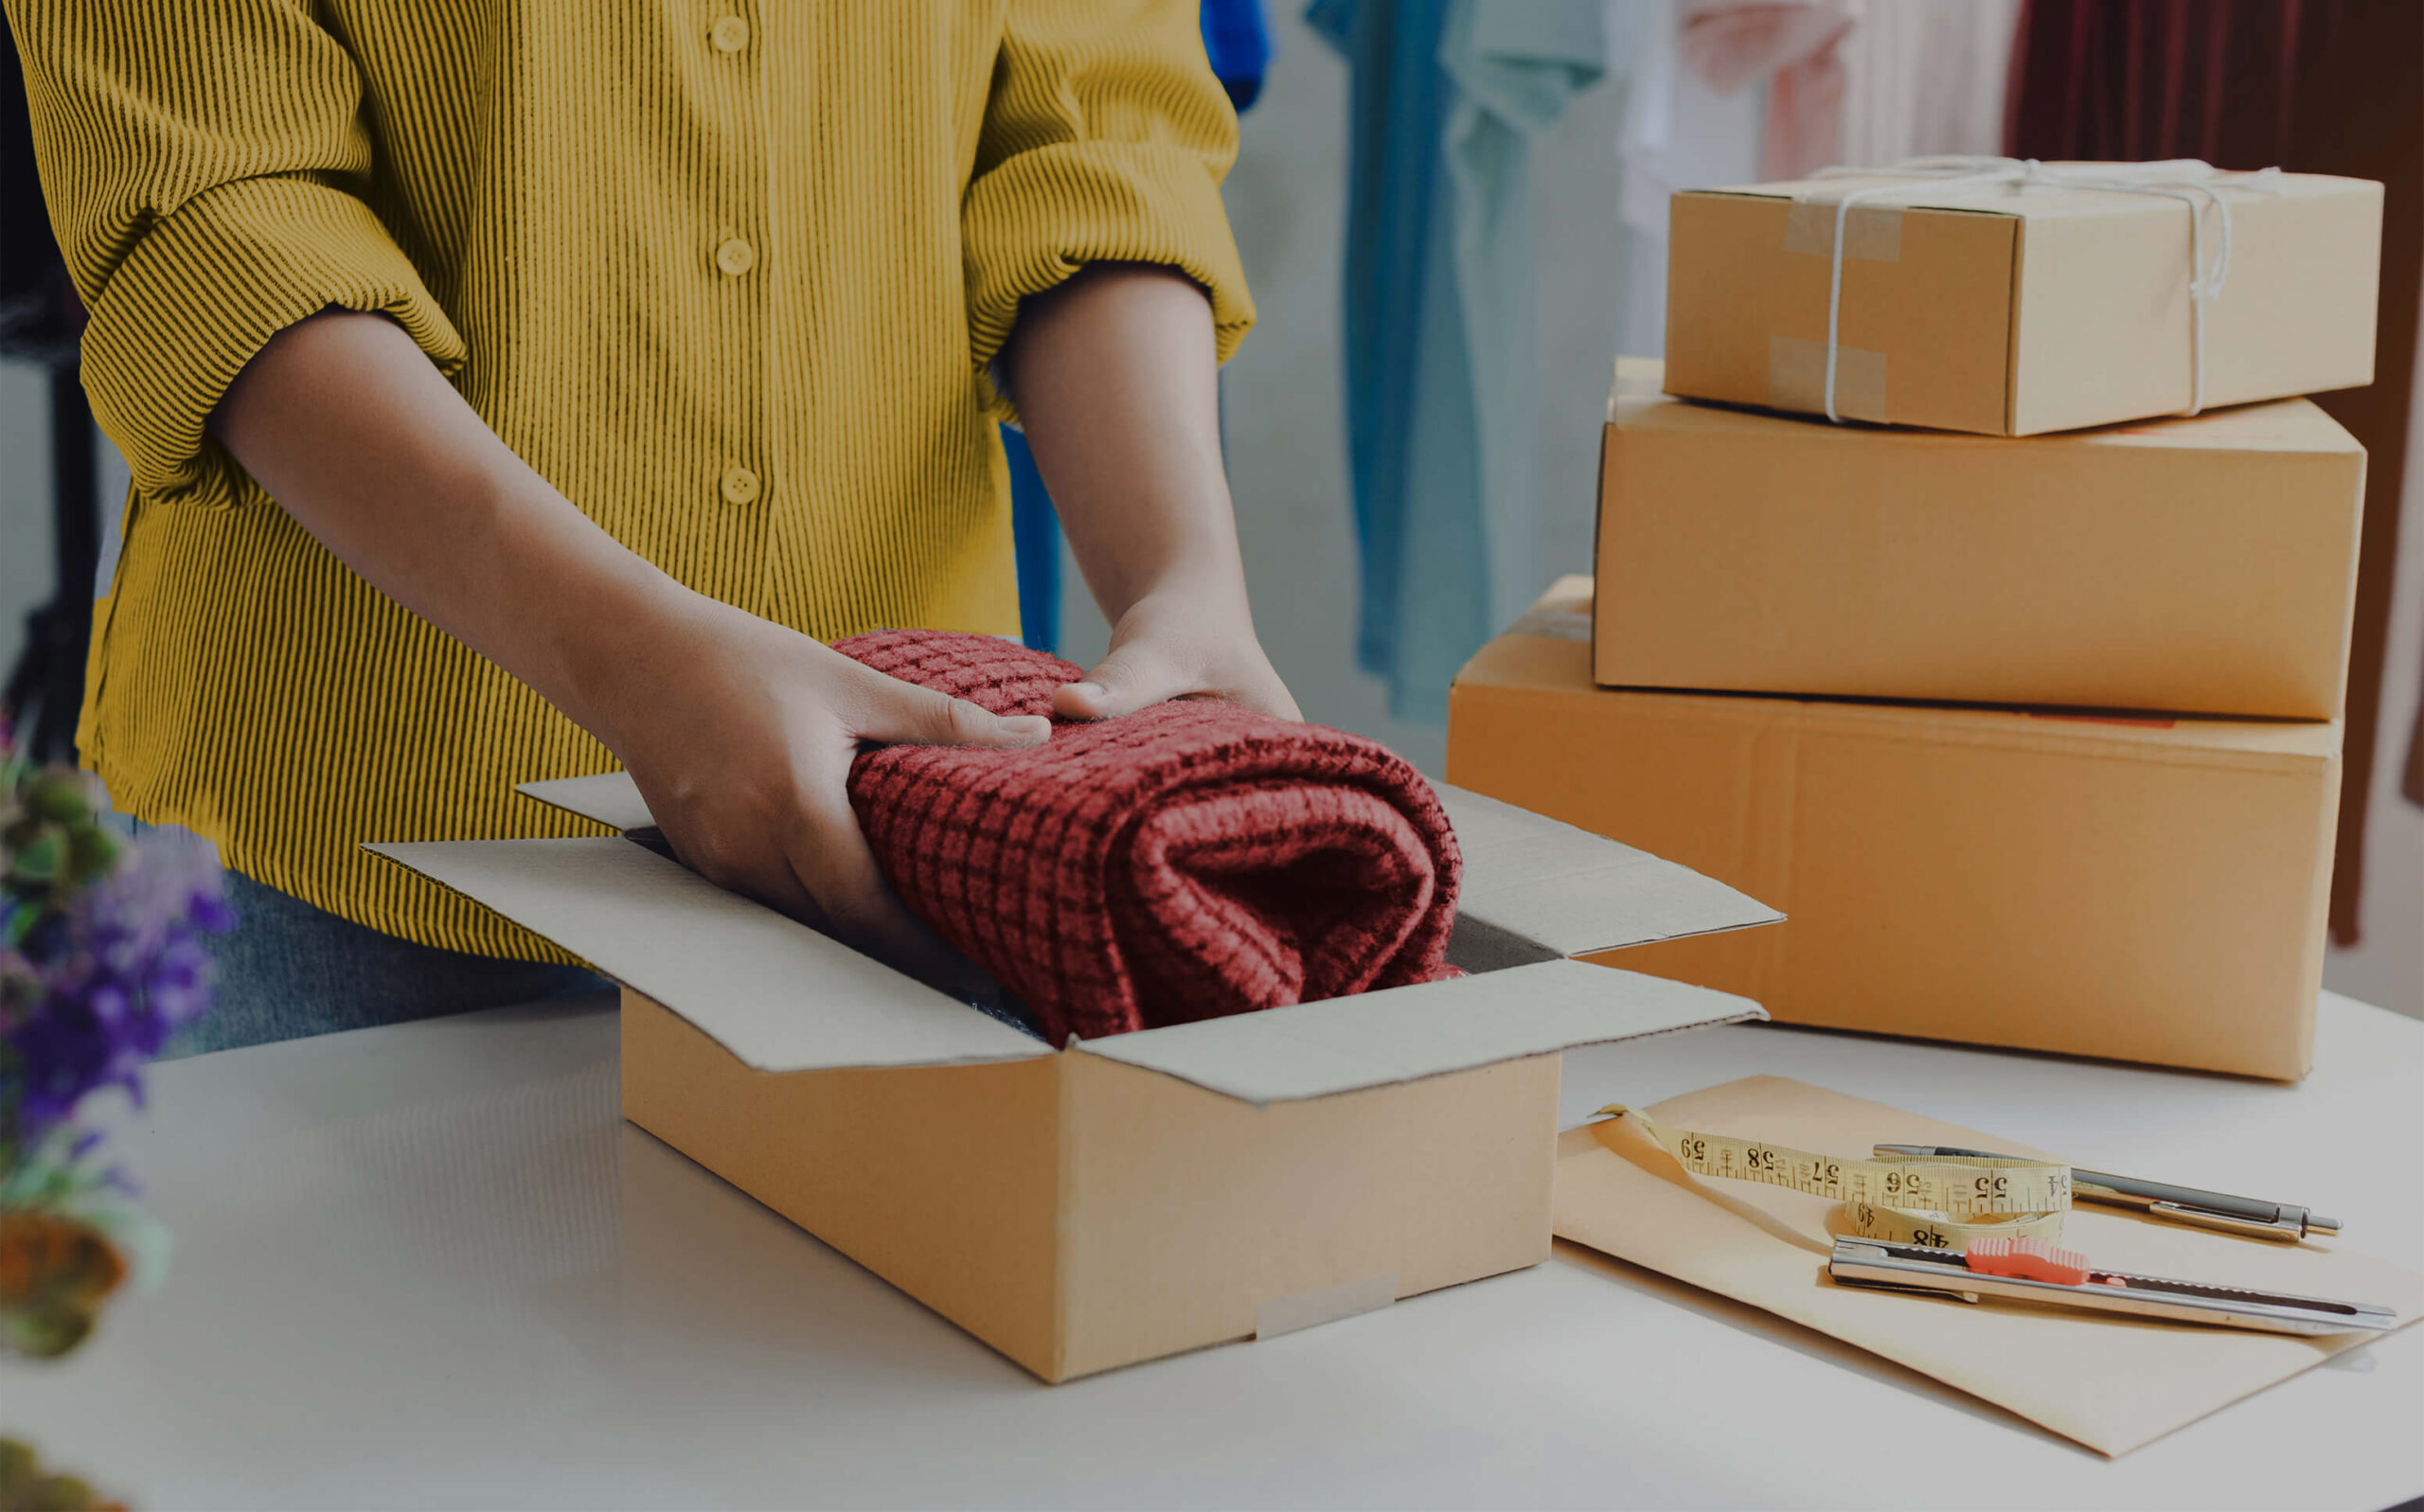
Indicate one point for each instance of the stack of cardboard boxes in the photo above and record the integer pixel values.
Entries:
(2034, 737)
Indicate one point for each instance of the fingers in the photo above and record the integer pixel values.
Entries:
(1141, 672)
(748, 775)
(890, 710)
(831, 861)
(724, 855)
(803, 854)
(1273, 698)
(1131, 678)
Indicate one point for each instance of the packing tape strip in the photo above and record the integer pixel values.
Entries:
(1942, 1201)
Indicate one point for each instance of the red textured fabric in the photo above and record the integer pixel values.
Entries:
(1192, 859)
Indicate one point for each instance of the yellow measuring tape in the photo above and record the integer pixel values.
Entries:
(1942, 1201)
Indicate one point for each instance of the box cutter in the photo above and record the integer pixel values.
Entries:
(2029, 1271)
(2247, 1216)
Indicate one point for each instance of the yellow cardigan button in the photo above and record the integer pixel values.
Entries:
(739, 485)
(730, 34)
(736, 256)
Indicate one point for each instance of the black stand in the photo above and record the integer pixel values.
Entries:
(46, 691)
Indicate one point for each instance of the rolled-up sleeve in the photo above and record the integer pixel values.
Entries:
(1105, 139)
(203, 166)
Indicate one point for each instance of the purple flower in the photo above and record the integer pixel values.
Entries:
(97, 987)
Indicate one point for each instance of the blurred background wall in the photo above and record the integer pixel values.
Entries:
(1648, 121)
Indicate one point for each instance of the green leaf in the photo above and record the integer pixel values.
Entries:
(93, 854)
(40, 858)
(60, 795)
(46, 1333)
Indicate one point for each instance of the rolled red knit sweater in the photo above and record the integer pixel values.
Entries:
(1192, 859)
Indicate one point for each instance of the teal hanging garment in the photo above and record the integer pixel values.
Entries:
(1440, 371)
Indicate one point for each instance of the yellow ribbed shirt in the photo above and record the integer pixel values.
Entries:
(728, 274)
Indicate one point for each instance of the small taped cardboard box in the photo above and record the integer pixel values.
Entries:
(2205, 565)
(2008, 311)
(2135, 889)
(1112, 1200)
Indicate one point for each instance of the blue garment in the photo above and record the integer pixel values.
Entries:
(1392, 300)
(1441, 378)
(1035, 537)
(1516, 63)
(290, 969)
(1239, 45)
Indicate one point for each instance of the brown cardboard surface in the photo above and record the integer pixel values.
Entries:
(2014, 311)
(2091, 885)
(2205, 565)
(1404, 1034)
(1186, 1213)
(1078, 1214)
(2112, 1384)
(881, 1163)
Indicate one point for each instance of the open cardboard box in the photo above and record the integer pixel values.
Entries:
(1112, 1200)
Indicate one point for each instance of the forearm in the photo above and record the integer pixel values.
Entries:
(351, 430)
(1115, 374)
(1116, 378)
(739, 732)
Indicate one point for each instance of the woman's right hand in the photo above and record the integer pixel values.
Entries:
(740, 732)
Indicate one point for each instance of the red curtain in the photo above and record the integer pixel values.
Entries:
(2316, 86)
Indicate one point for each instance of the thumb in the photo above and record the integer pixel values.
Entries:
(904, 714)
(1127, 680)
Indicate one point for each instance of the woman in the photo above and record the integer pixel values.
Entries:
(512, 391)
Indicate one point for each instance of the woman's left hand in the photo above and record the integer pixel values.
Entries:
(1173, 646)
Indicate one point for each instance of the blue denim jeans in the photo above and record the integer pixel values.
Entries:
(291, 969)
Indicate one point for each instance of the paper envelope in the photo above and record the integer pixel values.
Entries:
(2112, 1383)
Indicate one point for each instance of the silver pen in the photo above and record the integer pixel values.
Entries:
(2245, 1215)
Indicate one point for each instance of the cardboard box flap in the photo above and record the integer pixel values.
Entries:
(1403, 1034)
(1574, 892)
(1637, 402)
(2026, 201)
(610, 797)
(1636, 379)
(1534, 889)
(773, 992)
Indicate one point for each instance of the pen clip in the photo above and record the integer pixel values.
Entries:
(2288, 1228)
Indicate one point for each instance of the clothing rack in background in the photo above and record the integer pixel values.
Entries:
(45, 690)
(41, 322)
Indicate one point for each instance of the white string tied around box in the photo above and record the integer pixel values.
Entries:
(2191, 181)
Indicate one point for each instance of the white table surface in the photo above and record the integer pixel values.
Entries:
(429, 1266)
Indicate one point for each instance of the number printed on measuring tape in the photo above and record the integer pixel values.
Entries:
(1941, 1202)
